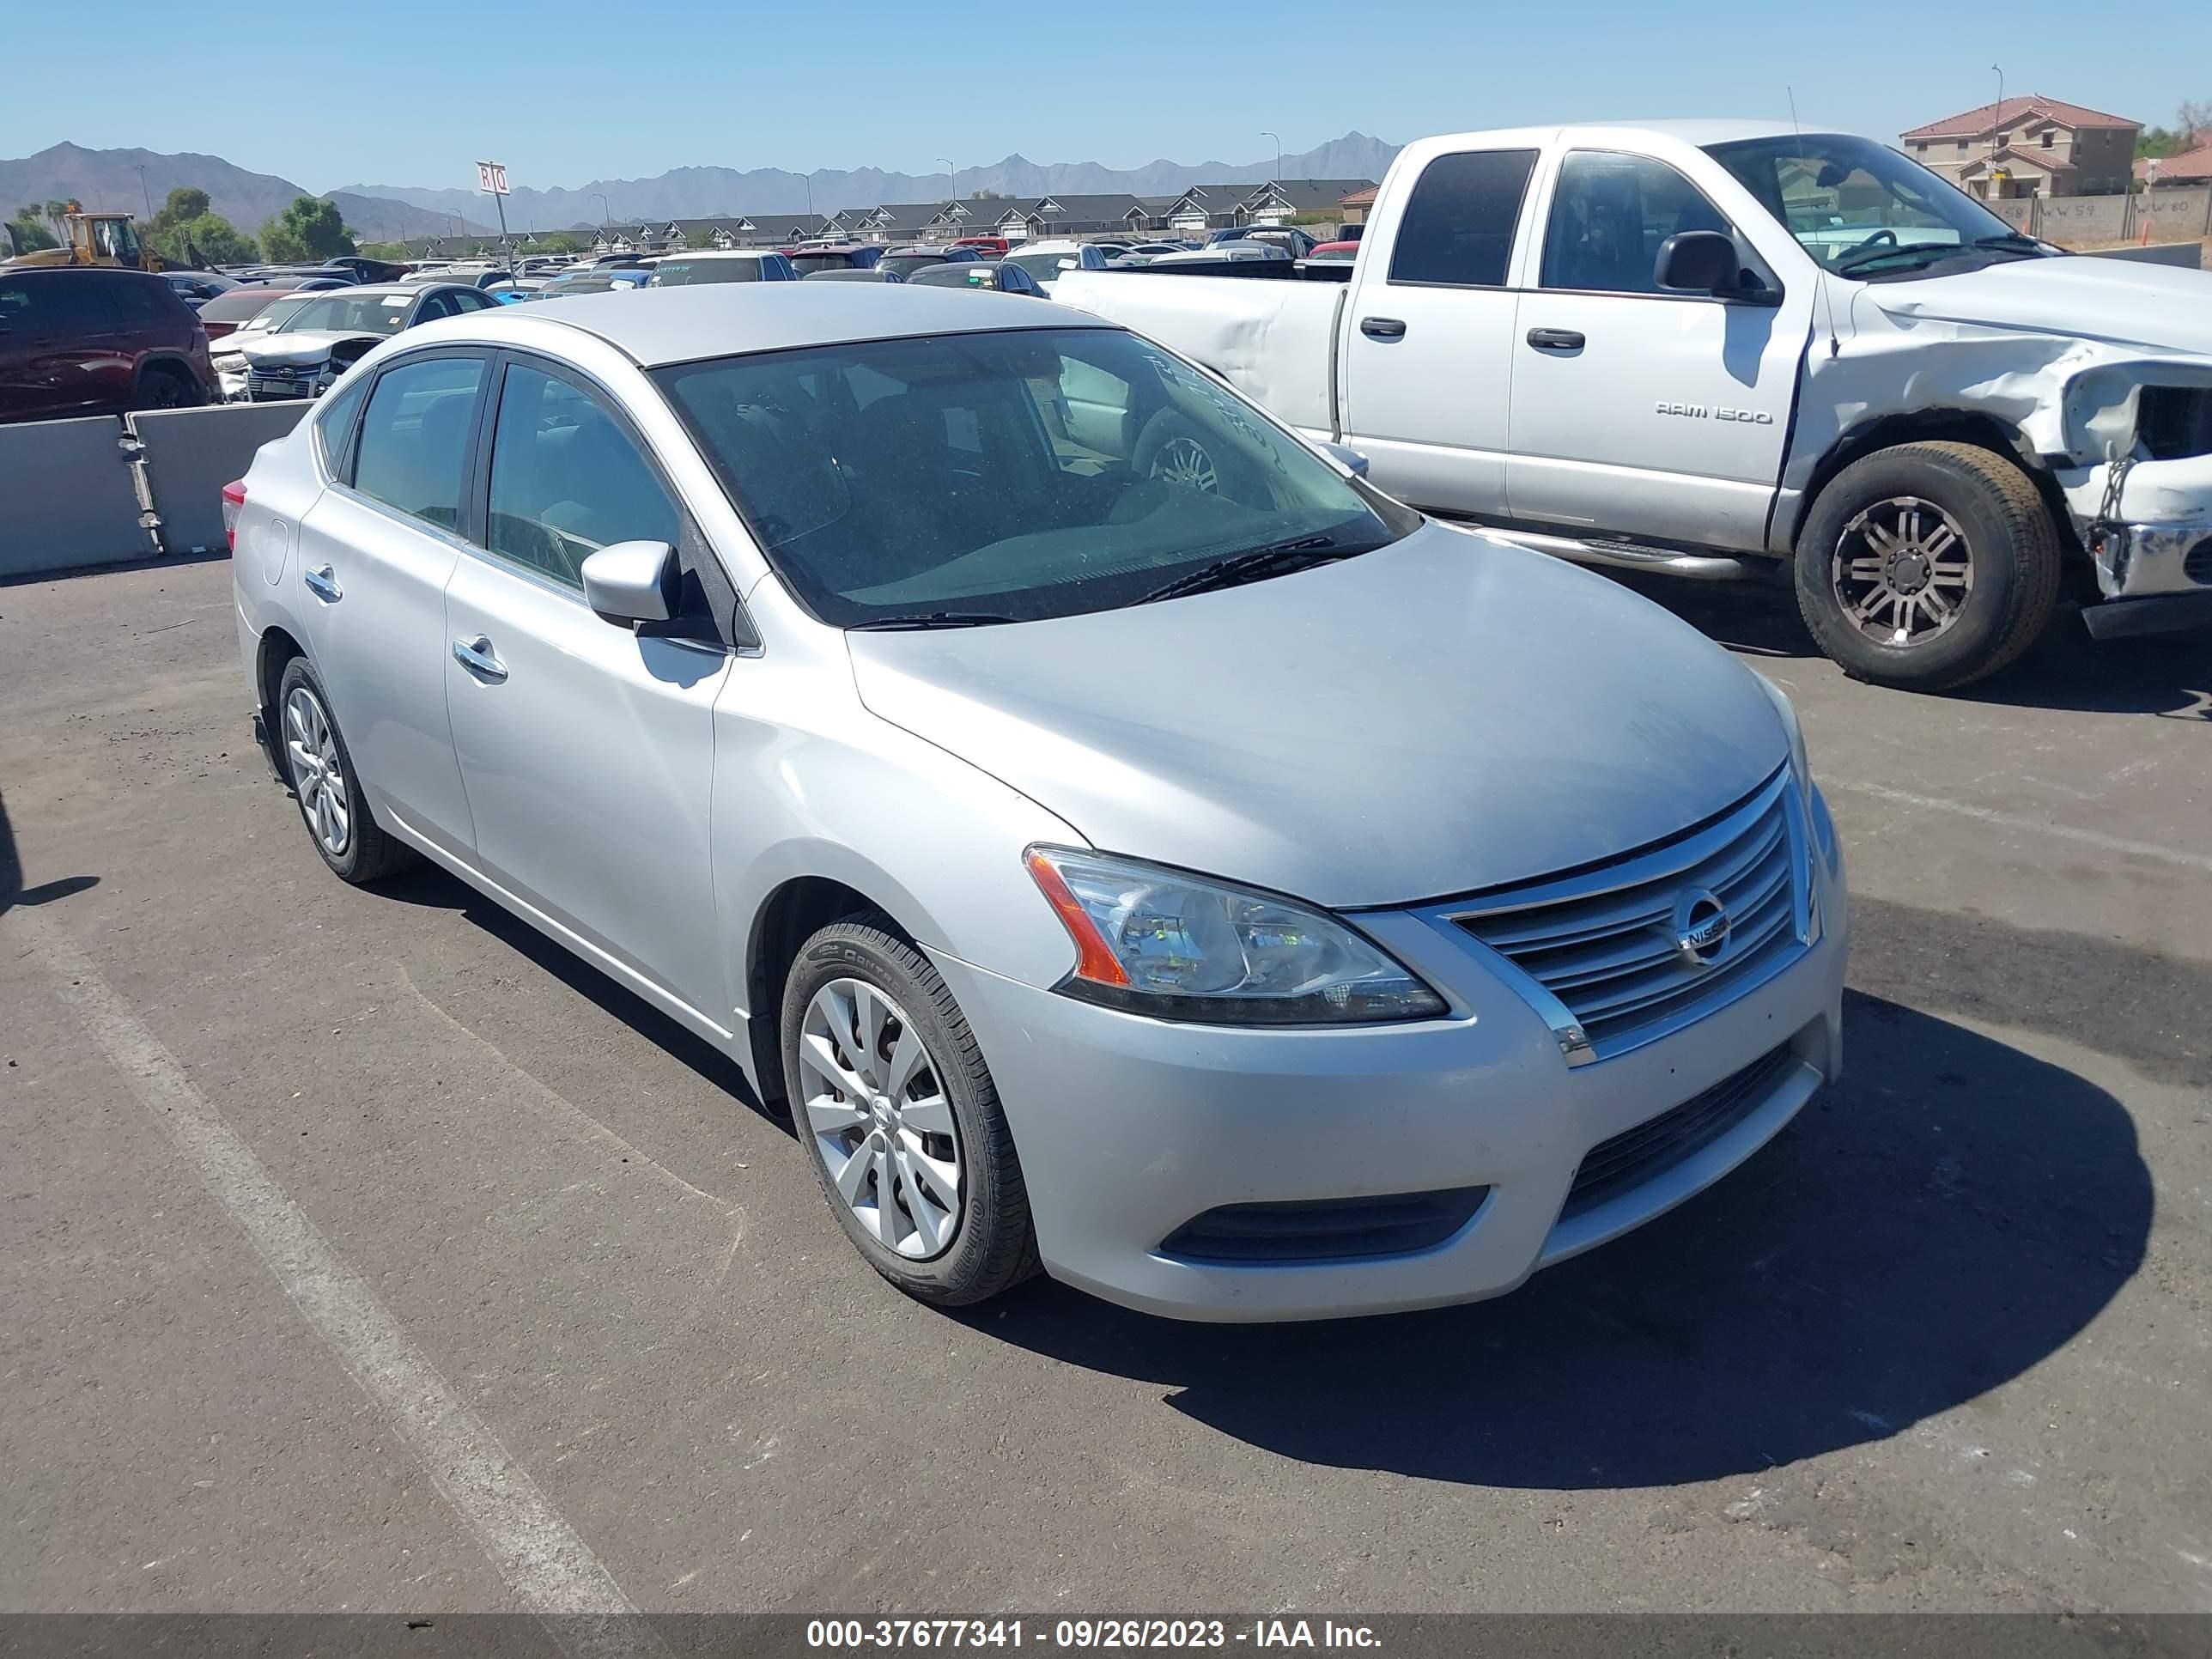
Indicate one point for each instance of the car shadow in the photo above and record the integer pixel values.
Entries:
(1949, 1214)
(13, 893)
(2168, 675)
(429, 886)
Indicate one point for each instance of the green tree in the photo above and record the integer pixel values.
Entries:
(311, 229)
(185, 232)
(30, 234)
(183, 205)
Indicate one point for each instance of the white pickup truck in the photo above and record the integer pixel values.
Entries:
(1696, 346)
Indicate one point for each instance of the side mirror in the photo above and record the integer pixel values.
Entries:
(1697, 262)
(1347, 458)
(631, 582)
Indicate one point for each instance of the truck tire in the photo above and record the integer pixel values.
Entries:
(1927, 566)
(1174, 450)
(165, 386)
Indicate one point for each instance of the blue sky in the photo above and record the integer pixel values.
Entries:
(565, 91)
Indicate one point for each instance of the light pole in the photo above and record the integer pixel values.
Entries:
(807, 180)
(952, 173)
(145, 195)
(603, 212)
(1279, 156)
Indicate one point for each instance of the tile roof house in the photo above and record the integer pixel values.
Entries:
(1270, 202)
(2028, 146)
(2194, 167)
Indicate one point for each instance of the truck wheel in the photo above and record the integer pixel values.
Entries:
(164, 387)
(1927, 566)
(1174, 451)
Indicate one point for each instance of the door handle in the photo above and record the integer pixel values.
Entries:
(323, 583)
(476, 655)
(1383, 328)
(1556, 339)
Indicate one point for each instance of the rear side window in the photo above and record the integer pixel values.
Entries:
(140, 302)
(414, 440)
(334, 424)
(1458, 224)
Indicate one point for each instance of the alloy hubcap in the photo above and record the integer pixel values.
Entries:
(318, 775)
(1184, 461)
(1902, 571)
(876, 1108)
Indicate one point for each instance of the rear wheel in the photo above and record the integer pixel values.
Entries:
(164, 387)
(1927, 566)
(897, 1112)
(320, 771)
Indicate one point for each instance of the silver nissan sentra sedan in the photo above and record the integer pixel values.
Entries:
(1132, 845)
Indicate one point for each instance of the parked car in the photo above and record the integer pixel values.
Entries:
(1046, 260)
(196, 287)
(364, 270)
(908, 260)
(596, 279)
(1341, 253)
(247, 306)
(297, 274)
(303, 353)
(1291, 238)
(93, 340)
(1977, 424)
(1003, 275)
(1140, 253)
(773, 654)
(736, 265)
(515, 290)
(811, 257)
(990, 247)
(848, 274)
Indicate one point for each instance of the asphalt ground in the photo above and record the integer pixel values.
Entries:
(359, 1250)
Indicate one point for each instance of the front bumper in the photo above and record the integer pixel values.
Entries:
(1128, 1127)
(2163, 521)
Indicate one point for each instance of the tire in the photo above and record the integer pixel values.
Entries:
(1858, 547)
(320, 771)
(949, 1254)
(1173, 449)
(162, 387)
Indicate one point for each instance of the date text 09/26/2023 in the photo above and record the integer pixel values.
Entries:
(859, 1634)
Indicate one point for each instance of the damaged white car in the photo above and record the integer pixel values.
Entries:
(1702, 347)
(302, 354)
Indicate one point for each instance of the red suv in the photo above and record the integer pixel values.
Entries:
(89, 341)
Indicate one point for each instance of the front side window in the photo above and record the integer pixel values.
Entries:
(1862, 209)
(566, 481)
(1012, 476)
(1459, 221)
(1610, 213)
(414, 442)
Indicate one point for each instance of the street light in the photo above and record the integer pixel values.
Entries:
(603, 212)
(1279, 156)
(145, 194)
(952, 173)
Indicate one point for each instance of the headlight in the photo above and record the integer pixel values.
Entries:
(1158, 942)
(1782, 706)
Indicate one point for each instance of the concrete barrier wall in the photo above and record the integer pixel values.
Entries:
(2189, 255)
(68, 497)
(190, 454)
(2071, 221)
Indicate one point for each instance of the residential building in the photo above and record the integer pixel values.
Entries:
(2194, 167)
(1354, 208)
(2029, 146)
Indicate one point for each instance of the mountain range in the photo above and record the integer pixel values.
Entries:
(700, 192)
(133, 180)
(110, 179)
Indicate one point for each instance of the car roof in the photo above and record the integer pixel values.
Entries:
(683, 325)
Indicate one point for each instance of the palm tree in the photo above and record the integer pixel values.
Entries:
(56, 214)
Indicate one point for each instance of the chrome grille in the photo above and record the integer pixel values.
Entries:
(263, 383)
(1600, 953)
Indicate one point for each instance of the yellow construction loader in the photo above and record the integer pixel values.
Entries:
(91, 239)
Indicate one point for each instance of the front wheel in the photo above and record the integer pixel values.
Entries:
(891, 1099)
(1927, 566)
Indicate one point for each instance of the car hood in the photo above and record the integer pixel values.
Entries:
(2081, 296)
(1442, 716)
(299, 349)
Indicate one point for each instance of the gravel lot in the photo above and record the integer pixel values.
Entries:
(1946, 1343)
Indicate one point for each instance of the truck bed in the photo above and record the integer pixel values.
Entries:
(1275, 341)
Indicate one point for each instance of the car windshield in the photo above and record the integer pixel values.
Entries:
(907, 264)
(683, 273)
(1862, 209)
(1006, 475)
(349, 313)
(1045, 267)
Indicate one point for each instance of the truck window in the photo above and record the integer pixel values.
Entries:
(1609, 215)
(1457, 230)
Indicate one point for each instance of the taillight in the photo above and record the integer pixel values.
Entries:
(233, 498)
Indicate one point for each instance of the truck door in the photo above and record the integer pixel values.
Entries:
(1639, 409)
(1427, 347)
